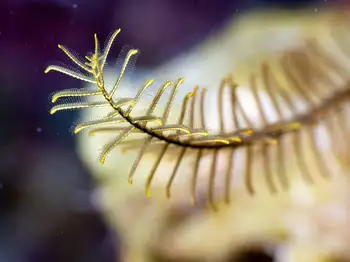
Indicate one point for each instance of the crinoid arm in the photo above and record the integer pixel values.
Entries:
(224, 139)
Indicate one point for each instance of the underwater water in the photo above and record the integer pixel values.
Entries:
(48, 210)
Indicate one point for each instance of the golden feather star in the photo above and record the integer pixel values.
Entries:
(308, 72)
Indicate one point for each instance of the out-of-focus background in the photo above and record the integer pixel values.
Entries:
(47, 209)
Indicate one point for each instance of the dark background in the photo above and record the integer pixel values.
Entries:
(47, 211)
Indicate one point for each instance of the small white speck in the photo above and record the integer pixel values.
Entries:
(316, 9)
(237, 10)
(75, 6)
(39, 129)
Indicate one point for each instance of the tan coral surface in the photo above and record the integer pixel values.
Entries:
(305, 223)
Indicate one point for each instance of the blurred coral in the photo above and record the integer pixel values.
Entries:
(303, 224)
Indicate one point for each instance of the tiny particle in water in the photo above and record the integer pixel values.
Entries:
(39, 129)
(75, 6)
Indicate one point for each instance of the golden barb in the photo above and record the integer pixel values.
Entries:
(309, 72)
